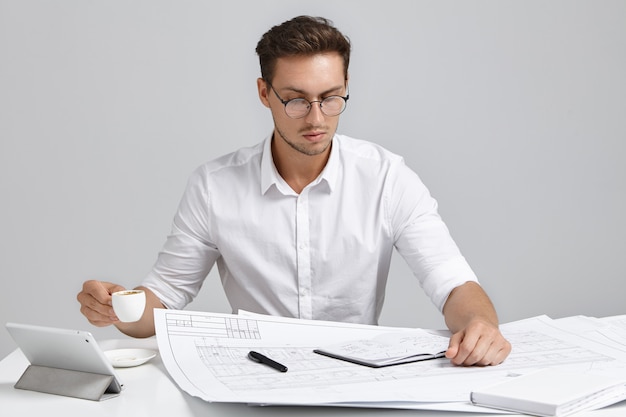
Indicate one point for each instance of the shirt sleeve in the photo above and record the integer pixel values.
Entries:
(422, 238)
(187, 255)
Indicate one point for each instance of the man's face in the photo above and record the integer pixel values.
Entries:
(313, 78)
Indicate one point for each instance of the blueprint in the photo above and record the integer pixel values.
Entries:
(207, 355)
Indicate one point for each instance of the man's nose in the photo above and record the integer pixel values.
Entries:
(315, 113)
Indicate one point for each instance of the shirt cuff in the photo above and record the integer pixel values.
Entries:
(440, 282)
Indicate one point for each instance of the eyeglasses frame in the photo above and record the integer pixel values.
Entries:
(285, 102)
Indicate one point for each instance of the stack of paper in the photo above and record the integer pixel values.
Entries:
(207, 355)
(552, 392)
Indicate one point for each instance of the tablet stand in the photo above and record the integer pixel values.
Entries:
(65, 382)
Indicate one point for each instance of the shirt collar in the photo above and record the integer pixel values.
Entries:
(270, 175)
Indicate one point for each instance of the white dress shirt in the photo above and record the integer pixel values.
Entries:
(321, 254)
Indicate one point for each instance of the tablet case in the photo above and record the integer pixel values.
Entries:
(64, 362)
(65, 382)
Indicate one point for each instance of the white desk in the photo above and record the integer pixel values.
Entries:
(149, 391)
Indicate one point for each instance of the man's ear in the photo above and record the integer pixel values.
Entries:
(263, 90)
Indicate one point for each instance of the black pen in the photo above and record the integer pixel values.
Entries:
(257, 357)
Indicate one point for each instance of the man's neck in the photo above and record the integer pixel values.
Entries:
(297, 169)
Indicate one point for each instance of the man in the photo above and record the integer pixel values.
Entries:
(304, 223)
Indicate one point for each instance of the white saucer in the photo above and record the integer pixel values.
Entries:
(125, 358)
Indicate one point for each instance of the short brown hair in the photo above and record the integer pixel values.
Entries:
(302, 35)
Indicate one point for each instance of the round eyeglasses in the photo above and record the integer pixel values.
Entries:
(297, 108)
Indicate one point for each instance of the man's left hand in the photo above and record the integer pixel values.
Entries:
(479, 343)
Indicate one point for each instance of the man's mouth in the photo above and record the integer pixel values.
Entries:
(314, 136)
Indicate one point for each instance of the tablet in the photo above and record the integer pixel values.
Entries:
(73, 350)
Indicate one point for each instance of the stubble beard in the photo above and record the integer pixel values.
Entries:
(302, 148)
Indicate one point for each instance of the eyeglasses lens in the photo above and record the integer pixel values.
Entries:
(331, 106)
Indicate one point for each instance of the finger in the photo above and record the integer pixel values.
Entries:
(466, 354)
(95, 300)
(101, 290)
(90, 303)
(497, 353)
(96, 290)
(483, 353)
(111, 288)
(503, 354)
(490, 350)
(96, 313)
(97, 319)
(453, 345)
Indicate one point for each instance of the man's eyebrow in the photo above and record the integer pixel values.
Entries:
(323, 93)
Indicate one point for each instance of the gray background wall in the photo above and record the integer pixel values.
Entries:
(512, 112)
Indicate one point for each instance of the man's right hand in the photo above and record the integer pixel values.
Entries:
(96, 305)
(95, 302)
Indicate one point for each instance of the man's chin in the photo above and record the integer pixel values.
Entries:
(314, 149)
(311, 149)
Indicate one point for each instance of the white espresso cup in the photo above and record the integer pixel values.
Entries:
(129, 304)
